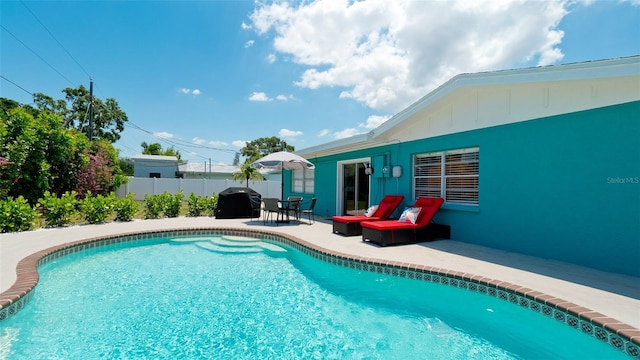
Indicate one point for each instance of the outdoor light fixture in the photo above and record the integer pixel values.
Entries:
(368, 169)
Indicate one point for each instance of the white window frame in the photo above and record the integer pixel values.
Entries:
(303, 181)
(438, 174)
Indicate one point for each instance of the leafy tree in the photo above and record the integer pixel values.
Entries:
(258, 148)
(101, 173)
(66, 153)
(25, 141)
(151, 149)
(126, 166)
(156, 149)
(108, 118)
(8, 104)
(46, 156)
(247, 173)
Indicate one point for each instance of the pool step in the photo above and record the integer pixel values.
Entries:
(229, 244)
(246, 243)
(189, 239)
(210, 246)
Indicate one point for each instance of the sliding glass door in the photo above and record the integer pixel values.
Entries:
(354, 189)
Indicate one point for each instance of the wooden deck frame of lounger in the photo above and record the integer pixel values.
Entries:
(350, 225)
(390, 232)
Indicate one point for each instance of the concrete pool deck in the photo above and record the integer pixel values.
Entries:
(612, 295)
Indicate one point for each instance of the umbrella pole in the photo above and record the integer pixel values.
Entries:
(281, 182)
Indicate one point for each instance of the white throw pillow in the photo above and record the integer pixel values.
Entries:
(410, 215)
(370, 211)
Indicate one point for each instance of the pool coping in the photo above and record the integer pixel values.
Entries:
(618, 334)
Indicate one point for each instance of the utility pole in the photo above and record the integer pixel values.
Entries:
(210, 168)
(90, 109)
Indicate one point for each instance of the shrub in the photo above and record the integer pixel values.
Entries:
(125, 208)
(153, 206)
(197, 205)
(173, 203)
(96, 209)
(16, 215)
(212, 204)
(58, 211)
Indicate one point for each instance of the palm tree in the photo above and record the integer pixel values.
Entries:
(248, 173)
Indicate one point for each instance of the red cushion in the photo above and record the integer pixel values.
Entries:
(383, 209)
(354, 218)
(388, 225)
(388, 204)
(430, 207)
(386, 207)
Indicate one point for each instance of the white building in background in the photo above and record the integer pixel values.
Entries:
(155, 166)
(201, 170)
(168, 167)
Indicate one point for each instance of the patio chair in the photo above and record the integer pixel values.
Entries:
(270, 207)
(293, 206)
(309, 211)
(350, 225)
(390, 232)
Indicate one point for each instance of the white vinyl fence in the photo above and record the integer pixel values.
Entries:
(200, 187)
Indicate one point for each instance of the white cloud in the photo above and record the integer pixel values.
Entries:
(249, 43)
(239, 143)
(271, 58)
(286, 133)
(346, 133)
(388, 54)
(259, 96)
(217, 143)
(163, 135)
(374, 121)
(198, 141)
(187, 91)
(324, 132)
(283, 97)
(244, 26)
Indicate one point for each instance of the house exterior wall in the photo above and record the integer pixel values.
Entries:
(166, 169)
(565, 187)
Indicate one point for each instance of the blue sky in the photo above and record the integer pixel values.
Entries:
(207, 76)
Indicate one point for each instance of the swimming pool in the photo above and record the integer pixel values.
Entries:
(268, 300)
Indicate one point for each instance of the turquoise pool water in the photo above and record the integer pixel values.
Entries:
(210, 297)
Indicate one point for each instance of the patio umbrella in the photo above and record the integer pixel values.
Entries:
(282, 160)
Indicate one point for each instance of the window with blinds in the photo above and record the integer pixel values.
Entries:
(452, 175)
(303, 181)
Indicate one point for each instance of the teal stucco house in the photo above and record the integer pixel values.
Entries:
(543, 161)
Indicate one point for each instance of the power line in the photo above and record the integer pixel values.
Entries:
(179, 146)
(160, 138)
(16, 85)
(36, 54)
(54, 38)
(175, 142)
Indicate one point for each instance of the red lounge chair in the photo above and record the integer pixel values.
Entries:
(350, 225)
(395, 232)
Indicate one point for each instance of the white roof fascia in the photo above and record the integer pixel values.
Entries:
(628, 66)
(155, 157)
(575, 71)
(356, 142)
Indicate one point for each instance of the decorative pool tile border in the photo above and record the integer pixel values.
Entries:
(613, 332)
